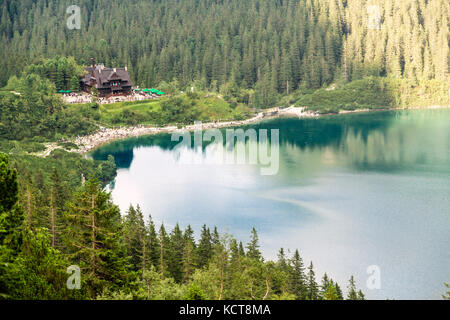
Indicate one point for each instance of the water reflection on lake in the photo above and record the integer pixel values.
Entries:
(351, 191)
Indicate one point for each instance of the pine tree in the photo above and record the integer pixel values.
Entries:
(253, 246)
(11, 215)
(74, 84)
(324, 286)
(282, 260)
(204, 249)
(153, 244)
(312, 289)
(352, 293)
(215, 237)
(330, 293)
(297, 278)
(339, 292)
(164, 242)
(92, 235)
(134, 238)
(189, 261)
(361, 295)
(56, 207)
(176, 251)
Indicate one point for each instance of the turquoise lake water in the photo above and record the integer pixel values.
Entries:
(351, 191)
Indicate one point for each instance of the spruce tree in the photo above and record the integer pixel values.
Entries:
(175, 257)
(164, 249)
(253, 246)
(153, 244)
(11, 214)
(312, 289)
(297, 278)
(93, 234)
(352, 293)
(204, 249)
(134, 238)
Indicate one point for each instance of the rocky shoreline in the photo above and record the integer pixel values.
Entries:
(105, 135)
(88, 143)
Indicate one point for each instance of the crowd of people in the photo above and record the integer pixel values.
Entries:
(135, 96)
(77, 97)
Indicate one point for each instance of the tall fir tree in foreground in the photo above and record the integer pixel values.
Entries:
(135, 238)
(93, 237)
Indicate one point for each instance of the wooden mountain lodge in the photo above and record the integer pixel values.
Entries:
(108, 81)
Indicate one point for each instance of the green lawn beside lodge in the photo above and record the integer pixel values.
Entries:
(177, 110)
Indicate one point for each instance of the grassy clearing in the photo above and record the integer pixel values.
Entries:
(180, 109)
(374, 93)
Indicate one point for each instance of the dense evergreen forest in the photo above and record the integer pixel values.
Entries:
(272, 46)
(250, 54)
(46, 228)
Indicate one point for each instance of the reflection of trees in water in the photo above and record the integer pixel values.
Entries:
(376, 140)
(399, 147)
(379, 149)
(122, 150)
(304, 133)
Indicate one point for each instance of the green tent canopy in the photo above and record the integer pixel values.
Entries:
(62, 91)
(156, 91)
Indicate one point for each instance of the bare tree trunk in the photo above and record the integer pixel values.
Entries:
(265, 295)
(52, 217)
(267, 290)
(144, 256)
(29, 206)
(251, 290)
(93, 234)
(221, 280)
(161, 264)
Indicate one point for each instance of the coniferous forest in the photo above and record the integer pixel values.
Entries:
(273, 46)
(254, 54)
(46, 228)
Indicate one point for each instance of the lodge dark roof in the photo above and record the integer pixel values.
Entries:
(103, 75)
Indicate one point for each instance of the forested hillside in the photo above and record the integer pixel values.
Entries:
(47, 225)
(270, 45)
(240, 55)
